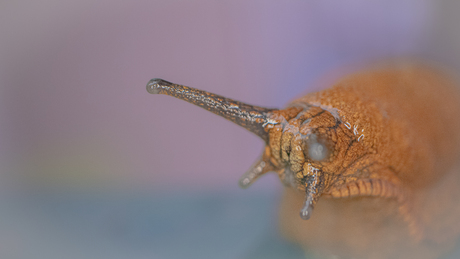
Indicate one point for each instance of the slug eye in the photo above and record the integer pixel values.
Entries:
(316, 149)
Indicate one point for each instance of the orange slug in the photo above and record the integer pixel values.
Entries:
(372, 162)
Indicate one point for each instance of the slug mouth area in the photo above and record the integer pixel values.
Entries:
(288, 178)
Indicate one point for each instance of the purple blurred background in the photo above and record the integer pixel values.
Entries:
(75, 115)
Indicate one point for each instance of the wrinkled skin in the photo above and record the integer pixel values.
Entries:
(409, 119)
(375, 157)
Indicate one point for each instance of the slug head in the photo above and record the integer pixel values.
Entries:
(302, 150)
(300, 140)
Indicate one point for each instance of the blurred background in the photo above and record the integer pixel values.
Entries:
(92, 166)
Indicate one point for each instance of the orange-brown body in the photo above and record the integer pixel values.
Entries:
(376, 157)
(408, 119)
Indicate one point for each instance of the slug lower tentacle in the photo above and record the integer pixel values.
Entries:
(384, 136)
(260, 167)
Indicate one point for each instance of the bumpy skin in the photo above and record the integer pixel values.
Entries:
(382, 133)
(392, 136)
(374, 159)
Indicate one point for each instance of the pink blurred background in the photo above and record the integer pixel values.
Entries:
(74, 107)
(75, 114)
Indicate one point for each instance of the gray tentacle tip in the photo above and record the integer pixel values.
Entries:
(155, 85)
(257, 169)
(244, 182)
(305, 212)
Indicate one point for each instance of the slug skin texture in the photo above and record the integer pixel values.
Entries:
(370, 165)
(409, 118)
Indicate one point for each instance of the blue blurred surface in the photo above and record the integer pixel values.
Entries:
(142, 225)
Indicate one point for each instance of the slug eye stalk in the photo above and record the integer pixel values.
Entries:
(252, 118)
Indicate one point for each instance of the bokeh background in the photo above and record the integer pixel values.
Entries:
(92, 166)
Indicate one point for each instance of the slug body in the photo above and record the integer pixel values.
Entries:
(367, 155)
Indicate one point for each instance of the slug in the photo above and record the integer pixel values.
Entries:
(375, 157)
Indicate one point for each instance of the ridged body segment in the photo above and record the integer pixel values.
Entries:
(397, 146)
(376, 155)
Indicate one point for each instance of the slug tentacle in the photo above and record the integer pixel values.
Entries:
(313, 190)
(253, 118)
(307, 209)
(260, 167)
